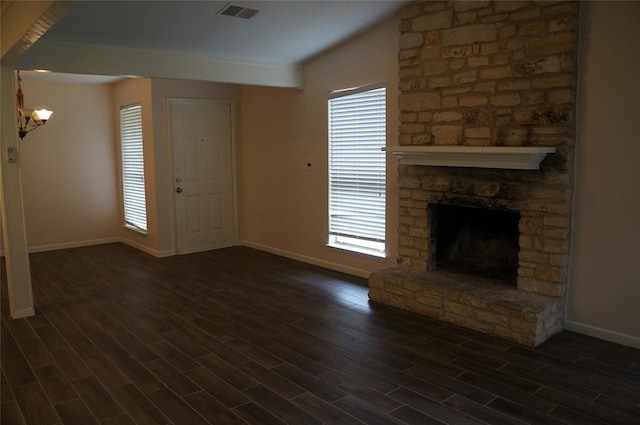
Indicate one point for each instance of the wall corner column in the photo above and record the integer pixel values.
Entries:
(12, 207)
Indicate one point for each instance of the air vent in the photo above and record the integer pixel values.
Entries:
(238, 11)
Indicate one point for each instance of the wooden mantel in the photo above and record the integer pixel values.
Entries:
(505, 157)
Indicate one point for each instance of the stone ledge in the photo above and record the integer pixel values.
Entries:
(482, 304)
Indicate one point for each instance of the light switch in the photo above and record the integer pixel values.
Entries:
(12, 154)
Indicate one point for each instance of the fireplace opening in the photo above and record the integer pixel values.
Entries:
(477, 241)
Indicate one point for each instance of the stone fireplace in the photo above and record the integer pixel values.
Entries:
(482, 81)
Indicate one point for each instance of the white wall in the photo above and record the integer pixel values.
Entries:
(604, 291)
(284, 209)
(68, 167)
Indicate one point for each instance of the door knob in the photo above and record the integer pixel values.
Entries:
(179, 190)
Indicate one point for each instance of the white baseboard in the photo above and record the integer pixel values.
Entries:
(79, 244)
(605, 334)
(25, 312)
(75, 244)
(306, 259)
(90, 242)
(146, 249)
(165, 253)
(209, 248)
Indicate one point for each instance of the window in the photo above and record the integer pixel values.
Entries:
(133, 190)
(357, 170)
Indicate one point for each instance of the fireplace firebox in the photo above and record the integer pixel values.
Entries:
(477, 241)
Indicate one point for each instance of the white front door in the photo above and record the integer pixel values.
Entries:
(201, 134)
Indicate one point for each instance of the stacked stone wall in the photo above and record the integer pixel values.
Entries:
(487, 73)
(491, 73)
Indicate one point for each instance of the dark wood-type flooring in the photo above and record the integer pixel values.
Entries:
(238, 336)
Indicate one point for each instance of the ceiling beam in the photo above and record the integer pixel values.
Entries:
(24, 22)
(100, 60)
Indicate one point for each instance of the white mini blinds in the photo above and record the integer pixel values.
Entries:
(357, 169)
(133, 187)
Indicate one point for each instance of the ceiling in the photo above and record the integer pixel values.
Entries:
(282, 32)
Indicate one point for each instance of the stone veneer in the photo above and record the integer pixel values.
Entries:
(487, 73)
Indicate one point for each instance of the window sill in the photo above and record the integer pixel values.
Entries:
(135, 229)
(358, 250)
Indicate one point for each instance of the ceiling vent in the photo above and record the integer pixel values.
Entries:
(238, 11)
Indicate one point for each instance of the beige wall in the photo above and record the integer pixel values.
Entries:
(283, 209)
(604, 291)
(162, 90)
(153, 94)
(68, 167)
(71, 168)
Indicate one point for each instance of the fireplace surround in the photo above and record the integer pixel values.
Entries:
(481, 84)
(529, 311)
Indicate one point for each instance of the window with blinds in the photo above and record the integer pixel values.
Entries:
(357, 170)
(133, 187)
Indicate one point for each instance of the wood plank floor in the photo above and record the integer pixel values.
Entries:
(238, 336)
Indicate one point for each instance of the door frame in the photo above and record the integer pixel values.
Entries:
(234, 169)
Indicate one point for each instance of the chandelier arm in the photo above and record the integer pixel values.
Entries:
(29, 127)
(28, 119)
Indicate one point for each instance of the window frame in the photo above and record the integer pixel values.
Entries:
(365, 234)
(134, 191)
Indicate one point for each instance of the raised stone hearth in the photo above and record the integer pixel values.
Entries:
(477, 303)
(487, 107)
